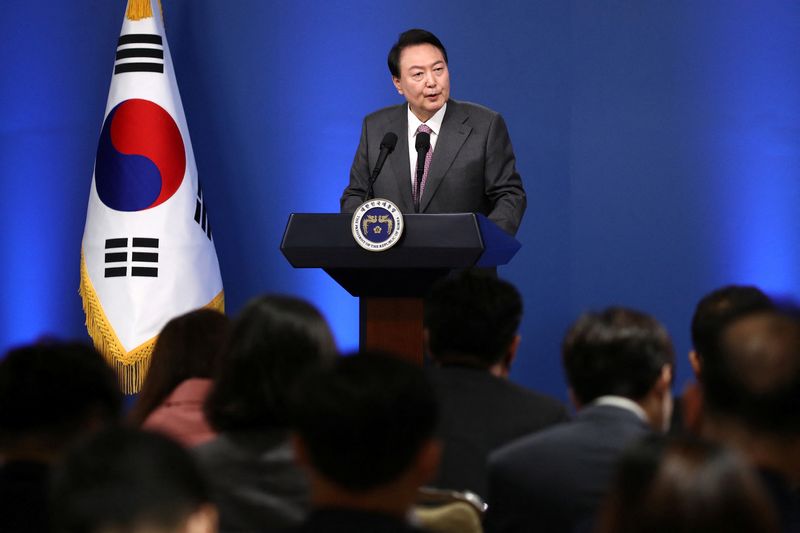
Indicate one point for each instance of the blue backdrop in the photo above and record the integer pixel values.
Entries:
(658, 140)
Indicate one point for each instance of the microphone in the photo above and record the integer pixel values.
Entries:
(387, 147)
(422, 145)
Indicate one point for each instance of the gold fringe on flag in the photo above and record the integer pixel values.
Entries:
(131, 367)
(141, 9)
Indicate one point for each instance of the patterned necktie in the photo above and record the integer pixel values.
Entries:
(423, 128)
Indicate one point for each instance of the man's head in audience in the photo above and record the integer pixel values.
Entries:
(715, 310)
(130, 481)
(621, 352)
(51, 393)
(751, 387)
(365, 433)
(472, 319)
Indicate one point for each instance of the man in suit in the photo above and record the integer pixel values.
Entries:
(751, 390)
(712, 313)
(364, 432)
(619, 367)
(472, 166)
(471, 330)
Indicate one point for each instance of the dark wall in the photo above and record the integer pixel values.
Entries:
(659, 144)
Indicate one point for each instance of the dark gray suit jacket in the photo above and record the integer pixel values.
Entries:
(479, 413)
(472, 171)
(554, 480)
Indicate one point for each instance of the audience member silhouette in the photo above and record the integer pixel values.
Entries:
(472, 333)
(250, 463)
(365, 434)
(180, 375)
(131, 481)
(712, 313)
(684, 485)
(751, 389)
(51, 393)
(619, 366)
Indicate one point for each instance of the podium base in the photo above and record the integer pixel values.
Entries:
(392, 325)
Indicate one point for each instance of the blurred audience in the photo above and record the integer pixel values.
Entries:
(684, 485)
(712, 313)
(619, 365)
(280, 427)
(250, 464)
(184, 359)
(472, 333)
(365, 434)
(126, 480)
(751, 389)
(51, 393)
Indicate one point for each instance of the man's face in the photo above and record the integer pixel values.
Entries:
(424, 79)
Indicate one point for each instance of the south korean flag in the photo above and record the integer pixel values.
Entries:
(146, 257)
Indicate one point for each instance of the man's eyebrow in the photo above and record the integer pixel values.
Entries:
(435, 63)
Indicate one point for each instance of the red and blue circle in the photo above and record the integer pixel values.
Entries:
(141, 158)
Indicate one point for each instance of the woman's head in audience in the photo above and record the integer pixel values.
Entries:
(682, 485)
(275, 340)
(189, 346)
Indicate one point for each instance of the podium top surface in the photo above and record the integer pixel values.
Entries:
(457, 240)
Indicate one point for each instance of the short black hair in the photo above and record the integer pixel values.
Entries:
(274, 340)
(364, 420)
(753, 374)
(473, 315)
(53, 391)
(411, 38)
(617, 351)
(121, 479)
(720, 307)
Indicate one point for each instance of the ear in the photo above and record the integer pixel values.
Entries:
(300, 450)
(664, 382)
(397, 86)
(573, 399)
(426, 342)
(204, 520)
(696, 362)
(512, 350)
(427, 461)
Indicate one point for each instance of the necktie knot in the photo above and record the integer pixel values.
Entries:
(424, 128)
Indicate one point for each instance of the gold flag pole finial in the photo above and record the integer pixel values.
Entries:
(140, 9)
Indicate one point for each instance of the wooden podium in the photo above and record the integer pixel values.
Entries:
(391, 285)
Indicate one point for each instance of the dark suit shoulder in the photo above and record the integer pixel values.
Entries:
(605, 427)
(500, 400)
(475, 111)
(388, 112)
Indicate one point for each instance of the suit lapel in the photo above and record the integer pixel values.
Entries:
(401, 167)
(454, 132)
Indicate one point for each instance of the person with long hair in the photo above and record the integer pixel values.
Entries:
(184, 360)
(256, 483)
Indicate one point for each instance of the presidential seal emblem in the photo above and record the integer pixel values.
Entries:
(377, 225)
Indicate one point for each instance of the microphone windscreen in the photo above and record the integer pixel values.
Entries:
(389, 141)
(423, 141)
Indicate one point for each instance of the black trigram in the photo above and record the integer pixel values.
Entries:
(139, 52)
(119, 255)
(201, 212)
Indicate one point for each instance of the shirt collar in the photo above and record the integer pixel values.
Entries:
(434, 123)
(622, 403)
